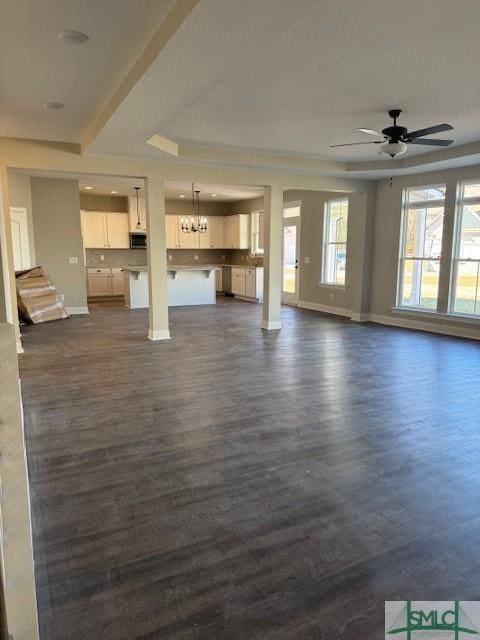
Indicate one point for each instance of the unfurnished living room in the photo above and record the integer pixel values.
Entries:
(239, 319)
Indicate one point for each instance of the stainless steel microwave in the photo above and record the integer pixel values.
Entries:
(138, 240)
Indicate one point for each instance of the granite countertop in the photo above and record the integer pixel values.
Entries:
(177, 267)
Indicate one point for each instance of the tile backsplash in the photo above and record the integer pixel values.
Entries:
(116, 257)
(138, 257)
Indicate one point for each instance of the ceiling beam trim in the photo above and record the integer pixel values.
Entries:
(175, 18)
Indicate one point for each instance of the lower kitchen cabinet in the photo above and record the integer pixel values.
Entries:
(238, 281)
(104, 281)
(247, 282)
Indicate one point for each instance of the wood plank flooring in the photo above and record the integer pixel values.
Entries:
(232, 484)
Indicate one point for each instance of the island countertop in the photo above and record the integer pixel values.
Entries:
(176, 267)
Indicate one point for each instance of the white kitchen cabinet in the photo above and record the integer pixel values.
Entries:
(99, 282)
(105, 281)
(254, 283)
(213, 238)
(187, 240)
(117, 231)
(235, 231)
(132, 212)
(94, 230)
(238, 281)
(118, 282)
(171, 232)
(105, 230)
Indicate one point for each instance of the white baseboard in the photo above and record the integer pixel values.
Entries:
(159, 334)
(419, 325)
(359, 317)
(76, 311)
(325, 308)
(271, 325)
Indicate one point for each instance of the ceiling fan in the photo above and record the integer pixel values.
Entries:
(396, 138)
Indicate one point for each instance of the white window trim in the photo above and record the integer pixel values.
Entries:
(255, 249)
(457, 233)
(326, 210)
(424, 204)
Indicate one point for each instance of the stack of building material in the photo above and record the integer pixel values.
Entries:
(38, 299)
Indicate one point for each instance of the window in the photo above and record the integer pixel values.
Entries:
(465, 298)
(291, 209)
(335, 228)
(257, 233)
(421, 247)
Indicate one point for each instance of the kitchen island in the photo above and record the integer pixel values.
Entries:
(187, 285)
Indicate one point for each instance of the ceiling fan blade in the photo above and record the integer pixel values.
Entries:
(431, 142)
(410, 135)
(351, 144)
(371, 132)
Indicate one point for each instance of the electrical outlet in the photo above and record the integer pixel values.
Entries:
(242, 257)
(195, 257)
(306, 260)
(102, 257)
(331, 296)
(73, 260)
(170, 257)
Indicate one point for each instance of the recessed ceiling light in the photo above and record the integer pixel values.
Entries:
(88, 187)
(181, 195)
(113, 191)
(73, 37)
(55, 106)
(214, 195)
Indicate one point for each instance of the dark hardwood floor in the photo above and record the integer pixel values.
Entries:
(232, 484)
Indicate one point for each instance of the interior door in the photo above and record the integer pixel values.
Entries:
(20, 239)
(291, 256)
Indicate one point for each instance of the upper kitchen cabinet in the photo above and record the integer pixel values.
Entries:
(93, 230)
(171, 232)
(236, 231)
(213, 237)
(132, 211)
(102, 230)
(186, 240)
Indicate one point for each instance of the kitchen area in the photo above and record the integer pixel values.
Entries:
(214, 242)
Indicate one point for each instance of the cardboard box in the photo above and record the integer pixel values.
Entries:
(38, 300)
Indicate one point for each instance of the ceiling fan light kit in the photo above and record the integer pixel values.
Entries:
(396, 138)
(393, 149)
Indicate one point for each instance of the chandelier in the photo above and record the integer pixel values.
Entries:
(194, 223)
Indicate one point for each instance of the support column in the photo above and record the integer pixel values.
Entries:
(157, 260)
(6, 250)
(272, 283)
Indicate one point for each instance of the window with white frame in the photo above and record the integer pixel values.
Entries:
(256, 226)
(335, 227)
(421, 247)
(465, 290)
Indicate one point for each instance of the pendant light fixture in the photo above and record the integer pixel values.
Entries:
(139, 224)
(194, 223)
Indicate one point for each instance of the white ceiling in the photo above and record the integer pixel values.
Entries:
(281, 76)
(296, 76)
(223, 193)
(125, 186)
(36, 66)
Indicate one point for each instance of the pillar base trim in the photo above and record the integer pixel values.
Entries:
(271, 325)
(159, 334)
